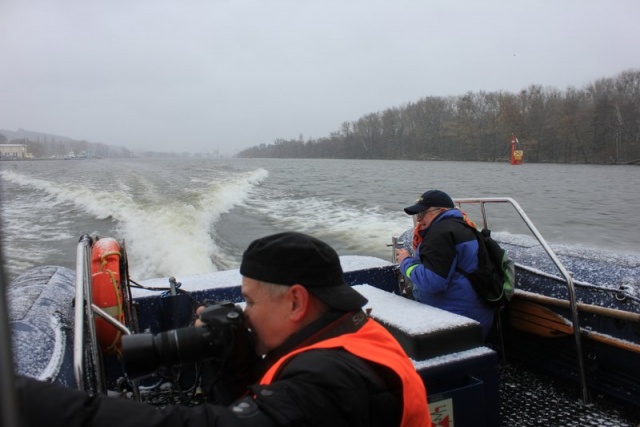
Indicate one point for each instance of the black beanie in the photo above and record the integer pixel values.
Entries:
(291, 258)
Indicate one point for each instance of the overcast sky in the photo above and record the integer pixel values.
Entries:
(191, 75)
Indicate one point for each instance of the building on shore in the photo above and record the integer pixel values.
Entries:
(14, 152)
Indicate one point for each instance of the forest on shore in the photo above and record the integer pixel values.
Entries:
(597, 124)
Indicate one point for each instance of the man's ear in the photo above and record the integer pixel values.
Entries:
(299, 299)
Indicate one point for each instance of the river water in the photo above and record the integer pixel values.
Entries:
(190, 216)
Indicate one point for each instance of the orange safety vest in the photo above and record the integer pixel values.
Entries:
(374, 343)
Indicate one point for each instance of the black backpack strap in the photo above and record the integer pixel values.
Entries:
(481, 247)
(482, 253)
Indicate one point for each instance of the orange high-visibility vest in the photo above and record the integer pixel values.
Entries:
(374, 343)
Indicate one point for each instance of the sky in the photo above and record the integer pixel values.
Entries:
(224, 75)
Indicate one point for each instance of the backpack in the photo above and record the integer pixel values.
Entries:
(494, 279)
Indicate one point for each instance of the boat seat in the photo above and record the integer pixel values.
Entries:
(423, 331)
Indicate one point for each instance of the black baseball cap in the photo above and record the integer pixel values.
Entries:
(292, 258)
(430, 199)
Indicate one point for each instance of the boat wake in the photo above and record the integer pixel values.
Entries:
(168, 231)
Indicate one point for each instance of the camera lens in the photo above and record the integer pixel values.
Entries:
(143, 354)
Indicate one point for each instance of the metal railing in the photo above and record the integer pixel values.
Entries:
(83, 279)
(563, 271)
(85, 310)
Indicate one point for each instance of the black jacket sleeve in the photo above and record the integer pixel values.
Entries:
(315, 388)
(46, 404)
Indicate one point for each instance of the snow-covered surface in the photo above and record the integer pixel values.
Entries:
(474, 353)
(46, 285)
(228, 278)
(192, 283)
(630, 259)
(357, 262)
(58, 350)
(41, 319)
(409, 316)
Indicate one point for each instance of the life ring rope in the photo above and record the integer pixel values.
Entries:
(103, 258)
(113, 347)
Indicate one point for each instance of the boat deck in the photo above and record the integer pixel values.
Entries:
(532, 398)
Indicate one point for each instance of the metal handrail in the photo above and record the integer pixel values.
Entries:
(85, 308)
(569, 281)
(83, 271)
(110, 319)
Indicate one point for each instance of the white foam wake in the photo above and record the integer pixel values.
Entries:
(167, 229)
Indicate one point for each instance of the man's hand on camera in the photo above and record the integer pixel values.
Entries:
(198, 311)
(401, 254)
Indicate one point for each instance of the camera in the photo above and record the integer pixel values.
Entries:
(223, 336)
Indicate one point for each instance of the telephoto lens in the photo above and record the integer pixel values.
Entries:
(143, 354)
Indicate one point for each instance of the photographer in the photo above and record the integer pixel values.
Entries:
(325, 362)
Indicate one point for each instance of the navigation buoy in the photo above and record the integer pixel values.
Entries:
(516, 155)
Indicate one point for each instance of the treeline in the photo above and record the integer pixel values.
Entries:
(43, 146)
(46, 146)
(597, 124)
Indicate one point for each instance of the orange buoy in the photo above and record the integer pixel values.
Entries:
(107, 292)
(516, 155)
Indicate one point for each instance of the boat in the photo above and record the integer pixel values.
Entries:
(575, 315)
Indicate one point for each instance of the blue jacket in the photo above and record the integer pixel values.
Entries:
(445, 244)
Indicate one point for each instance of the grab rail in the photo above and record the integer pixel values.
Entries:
(569, 281)
(85, 309)
(83, 279)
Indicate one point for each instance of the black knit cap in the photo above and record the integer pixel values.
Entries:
(430, 199)
(292, 258)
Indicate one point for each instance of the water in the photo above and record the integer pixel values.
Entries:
(189, 216)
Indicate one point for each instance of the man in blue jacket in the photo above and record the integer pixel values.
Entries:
(445, 243)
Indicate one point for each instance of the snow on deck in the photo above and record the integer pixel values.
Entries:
(230, 278)
(446, 359)
(192, 283)
(411, 317)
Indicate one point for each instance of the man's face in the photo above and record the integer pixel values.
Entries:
(267, 315)
(426, 217)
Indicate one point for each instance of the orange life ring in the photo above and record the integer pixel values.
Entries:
(107, 292)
